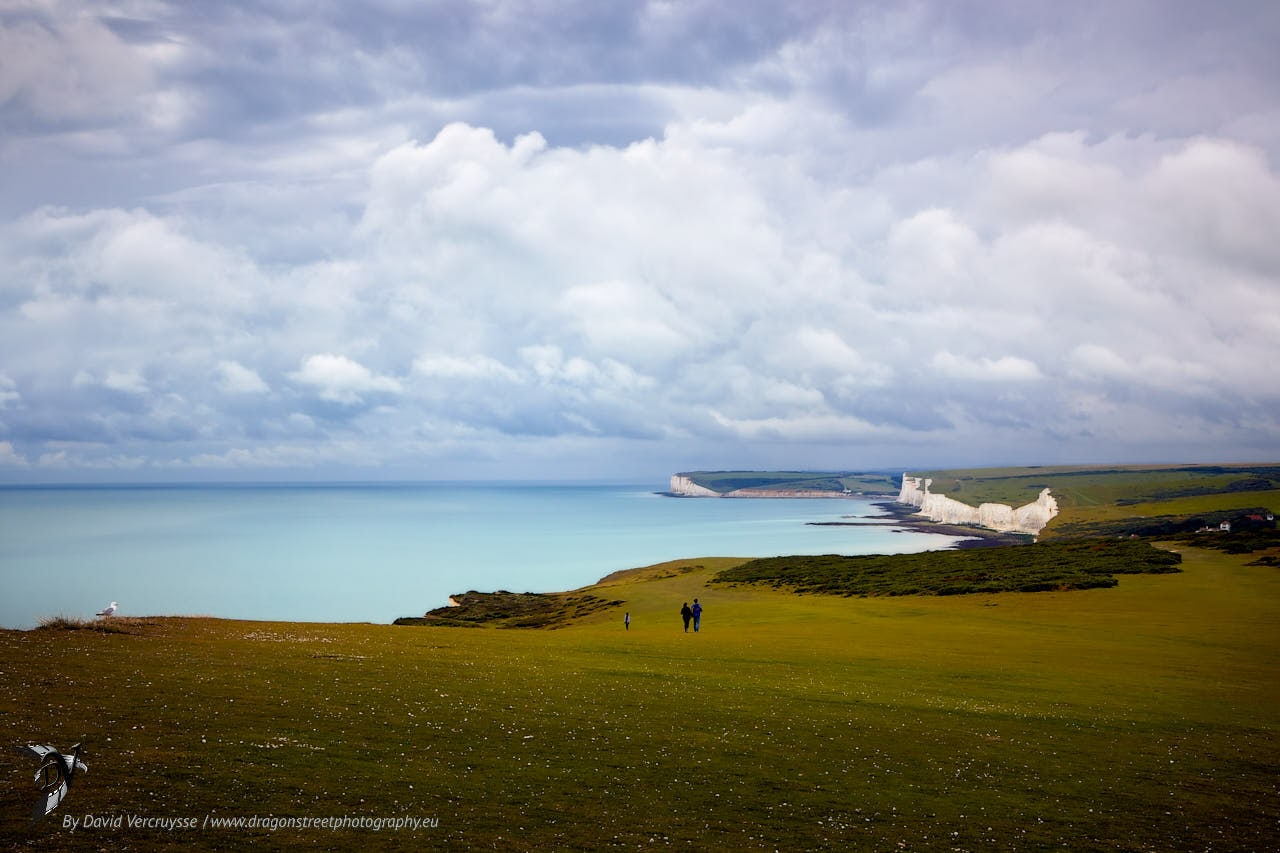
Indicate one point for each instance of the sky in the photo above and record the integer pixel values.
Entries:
(552, 239)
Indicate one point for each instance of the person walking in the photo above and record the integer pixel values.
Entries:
(626, 620)
(686, 614)
(697, 615)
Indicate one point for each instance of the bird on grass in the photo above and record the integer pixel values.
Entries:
(108, 611)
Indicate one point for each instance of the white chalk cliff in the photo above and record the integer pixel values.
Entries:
(1030, 518)
(684, 486)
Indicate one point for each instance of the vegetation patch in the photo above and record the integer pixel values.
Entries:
(504, 609)
(1059, 565)
(1241, 540)
(72, 623)
(1247, 520)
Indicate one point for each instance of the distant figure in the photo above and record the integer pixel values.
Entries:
(626, 620)
(108, 611)
(697, 615)
(686, 614)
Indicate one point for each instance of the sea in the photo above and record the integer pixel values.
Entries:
(372, 552)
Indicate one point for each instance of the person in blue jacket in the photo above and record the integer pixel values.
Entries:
(697, 615)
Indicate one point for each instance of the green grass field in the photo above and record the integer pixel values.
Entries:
(1141, 717)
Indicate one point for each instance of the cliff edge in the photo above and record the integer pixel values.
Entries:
(1030, 518)
(683, 486)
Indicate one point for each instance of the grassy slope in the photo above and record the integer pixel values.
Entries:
(1140, 717)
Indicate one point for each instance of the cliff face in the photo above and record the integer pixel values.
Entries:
(1030, 518)
(684, 486)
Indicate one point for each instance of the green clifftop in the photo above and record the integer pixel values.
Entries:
(867, 482)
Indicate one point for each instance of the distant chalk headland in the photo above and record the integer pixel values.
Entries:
(1037, 500)
(783, 484)
(908, 490)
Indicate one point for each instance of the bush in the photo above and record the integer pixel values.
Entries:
(1054, 565)
(72, 623)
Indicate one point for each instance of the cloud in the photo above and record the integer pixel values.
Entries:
(1219, 199)
(627, 320)
(442, 366)
(9, 395)
(10, 458)
(823, 429)
(501, 241)
(63, 67)
(1004, 369)
(130, 382)
(235, 378)
(341, 380)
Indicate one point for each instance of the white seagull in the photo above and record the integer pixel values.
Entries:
(108, 611)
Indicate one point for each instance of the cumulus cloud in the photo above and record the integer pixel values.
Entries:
(341, 380)
(804, 235)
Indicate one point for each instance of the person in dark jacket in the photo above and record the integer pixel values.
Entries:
(686, 614)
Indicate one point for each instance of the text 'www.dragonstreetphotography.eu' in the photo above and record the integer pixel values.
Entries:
(271, 823)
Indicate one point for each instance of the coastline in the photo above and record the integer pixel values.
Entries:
(896, 514)
(976, 537)
(433, 540)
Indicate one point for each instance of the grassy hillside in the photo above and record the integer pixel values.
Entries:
(1140, 717)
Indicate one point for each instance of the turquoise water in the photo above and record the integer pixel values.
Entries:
(371, 553)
